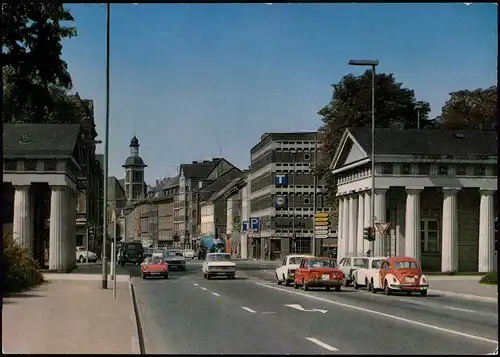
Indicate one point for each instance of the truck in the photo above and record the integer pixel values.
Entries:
(211, 245)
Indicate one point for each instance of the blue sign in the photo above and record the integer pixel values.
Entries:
(281, 180)
(244, 227)
(255, 224)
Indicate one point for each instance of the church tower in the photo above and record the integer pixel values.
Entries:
(134, 173)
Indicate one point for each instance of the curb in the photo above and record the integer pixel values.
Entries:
(137, 347)
(465, 296)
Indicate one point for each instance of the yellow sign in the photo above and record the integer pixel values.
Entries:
(321, 215)
(325, 223)
(321, 219)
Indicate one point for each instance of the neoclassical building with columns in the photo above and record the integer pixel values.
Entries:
(436, 188)
(42, 169)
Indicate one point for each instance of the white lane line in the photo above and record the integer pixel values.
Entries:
(322, 344)
(268, 272)
(205, 289)
(267, 313)
(215, 294)
(249, 309)
(412, 322)
(195, 284)
(458, 309)
(412, 302)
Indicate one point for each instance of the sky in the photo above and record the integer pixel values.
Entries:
(197, 81)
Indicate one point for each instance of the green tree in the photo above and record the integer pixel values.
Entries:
(351, 106)
(470, 109)
(35, 78)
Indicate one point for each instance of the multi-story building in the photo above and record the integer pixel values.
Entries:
(165, 201)
(193, 177)
(282, 187)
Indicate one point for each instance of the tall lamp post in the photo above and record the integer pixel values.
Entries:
(372, 64)
(106, 153)
(418, 106)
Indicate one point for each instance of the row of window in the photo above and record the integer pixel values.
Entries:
(30, 165)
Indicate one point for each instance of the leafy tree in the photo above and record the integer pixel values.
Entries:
(470, 109)
(35, 78)
(351, 106)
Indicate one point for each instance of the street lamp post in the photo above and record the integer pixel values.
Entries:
(106, 153)
(418, 106)
(372, 64)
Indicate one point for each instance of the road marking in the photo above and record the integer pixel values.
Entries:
(195, 284)
(267, 313)
(458, 309)
(268, 272)
(300, 308)
(215, 294)
(205, 289)
(249, 309)
(322, 344)
(422, 324)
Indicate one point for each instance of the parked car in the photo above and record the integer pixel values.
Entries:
(218, 264)
(349, 265)
(189, 254)
(155, 266)
(131, 252)
(318, 272)
(370, 267)
(175, 259)
(286, 272)
(82, 254)
(158, 253)
(399, 274)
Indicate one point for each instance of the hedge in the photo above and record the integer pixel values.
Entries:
(20, 270)
(490, 278)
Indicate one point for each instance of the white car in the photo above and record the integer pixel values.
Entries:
(189, 254)
(82, 254)
(286, 272)
(349, 265)
(217, 264)
(158, 254)
(361, 276)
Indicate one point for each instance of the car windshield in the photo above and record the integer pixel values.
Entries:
(174, 253)
(218, 257)
(157, 260)
(376, 264)
(295, 260)
(132, 246)
(360, 262)
(322, 263)
(406, 265)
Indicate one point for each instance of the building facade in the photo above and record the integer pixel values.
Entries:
(435, 189)
(282, 187)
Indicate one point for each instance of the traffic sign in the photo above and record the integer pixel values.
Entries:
(326, 223)
(321, 236)
(322, 219)
(382, 227)
(321, 228)
(322, 215)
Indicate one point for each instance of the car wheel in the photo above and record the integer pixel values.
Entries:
(144, 277)
(338, 288)
(278, 281)
(387, 289)
(165, 276)
(287, 282)
(81, 259)
(423, 293)
(327, 288)
(356, 285)
(408, 293)
(372, 288)
(305, 286)
(295, 285)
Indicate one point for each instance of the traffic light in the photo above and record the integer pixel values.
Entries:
(369, 234)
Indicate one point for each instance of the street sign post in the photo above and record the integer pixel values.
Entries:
(321, 225)
(382, 227)
(321, 228)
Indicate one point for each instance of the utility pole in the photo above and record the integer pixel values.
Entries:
(315, 183)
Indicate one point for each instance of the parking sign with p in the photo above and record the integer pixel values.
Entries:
(254, 224)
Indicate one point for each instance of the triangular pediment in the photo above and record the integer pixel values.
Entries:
(348, 152)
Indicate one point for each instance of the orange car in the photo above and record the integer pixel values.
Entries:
(318, 272)
(154, 266)
(400, 274)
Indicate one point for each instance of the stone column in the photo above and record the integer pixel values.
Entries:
(58, 227)
(367, 245)
(23, 225)
(353, 223)
(412, 223)
(340, 235)
(486, 232)
(380, 214)
(449, 255)
(72, 229)
(361, 223)
(345, 226)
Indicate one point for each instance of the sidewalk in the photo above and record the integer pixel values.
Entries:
(467, 287)
(68, 315)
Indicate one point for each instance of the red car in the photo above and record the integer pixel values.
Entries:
(154, 267)
(318, 272)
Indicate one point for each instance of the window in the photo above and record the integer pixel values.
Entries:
(429, 234)
(461, 170)
(10, 165)
(307, 201)
(442, 169)
(479, 170)
(386, 168)
(494, 170)
(405, 169)
(424, 169)
(307, 157)
(50, 165)
(30, 165)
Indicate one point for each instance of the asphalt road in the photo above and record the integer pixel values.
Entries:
(248, 315)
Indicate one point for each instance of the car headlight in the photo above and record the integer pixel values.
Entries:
(394, 280)
(424, 280)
